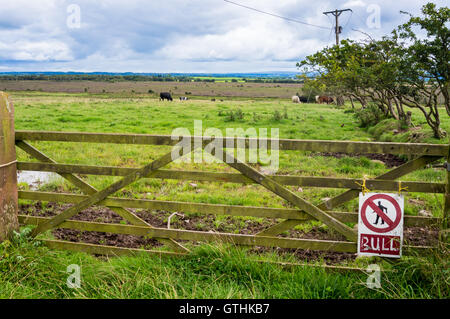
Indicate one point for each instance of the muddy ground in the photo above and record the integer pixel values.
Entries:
(417, 236)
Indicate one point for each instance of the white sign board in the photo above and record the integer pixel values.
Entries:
(380, 224)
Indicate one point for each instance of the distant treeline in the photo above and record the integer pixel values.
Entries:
(123, 78)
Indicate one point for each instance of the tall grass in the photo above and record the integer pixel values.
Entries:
(29, 270)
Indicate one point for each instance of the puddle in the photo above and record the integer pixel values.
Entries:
(36, 179)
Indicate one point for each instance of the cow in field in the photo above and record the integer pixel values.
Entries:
(324, 99)
(165, 96)
(295, 99)
(303, 99)
(183, 98)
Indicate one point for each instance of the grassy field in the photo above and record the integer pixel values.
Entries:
(213, 271)
(219, 89)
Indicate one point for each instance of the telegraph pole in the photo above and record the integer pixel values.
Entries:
(338, 29)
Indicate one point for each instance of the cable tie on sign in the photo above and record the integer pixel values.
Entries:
(7, 164)
(364, 189)
(400, 188)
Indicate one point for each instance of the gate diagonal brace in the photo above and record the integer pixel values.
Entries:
(82, 185)
(101, 195)
(352, 193)
(90, 190)
(286, 194)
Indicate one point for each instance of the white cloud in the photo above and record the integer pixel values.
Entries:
(280, 42)
(177, 35)
(354, 3)
(36, 51)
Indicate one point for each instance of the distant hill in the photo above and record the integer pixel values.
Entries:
(272, 74)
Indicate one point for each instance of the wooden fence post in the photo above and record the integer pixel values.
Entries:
(8, 170)
(443, 234)
(446, 198)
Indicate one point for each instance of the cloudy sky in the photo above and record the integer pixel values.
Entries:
(180, 36)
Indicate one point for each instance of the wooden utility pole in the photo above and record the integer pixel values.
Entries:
(8, 170)
(338, 29)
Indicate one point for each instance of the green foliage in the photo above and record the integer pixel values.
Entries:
(239, 114)
(232, 116)
(419, 277)
(277, 117)
(394, 72)
(256, 117)
(285, 113)
(10, 249)
(369, 116)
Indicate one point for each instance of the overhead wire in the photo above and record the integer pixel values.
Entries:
(276, 15)
(331, 29)
(348, 20)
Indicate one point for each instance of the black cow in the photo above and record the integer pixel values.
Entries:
(165, 95)
(303, 99)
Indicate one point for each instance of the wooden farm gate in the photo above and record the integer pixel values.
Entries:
(423, 154)
(276, 184)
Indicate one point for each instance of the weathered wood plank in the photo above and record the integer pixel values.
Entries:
(247, 240)
(238, 239)
(284, 144)
(291, 197)
(8, 172)
(104, 250)
(446, 211)
(351, 194)
(172, 206)
(395, 173)
(90, 190)
(213, 209)
(307, 181)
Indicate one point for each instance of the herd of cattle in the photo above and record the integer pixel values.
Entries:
(167, 96)
(296, 98)
(318, 98)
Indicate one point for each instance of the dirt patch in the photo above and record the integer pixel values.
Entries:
(388, 159)
(416, 236)
(421, 236)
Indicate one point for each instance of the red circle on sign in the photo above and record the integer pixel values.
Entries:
(393, 224)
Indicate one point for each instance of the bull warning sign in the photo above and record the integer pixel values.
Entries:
(380, 226)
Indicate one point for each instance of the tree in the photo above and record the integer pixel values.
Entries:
(396, 71)
(426, 62)
(431, 54)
